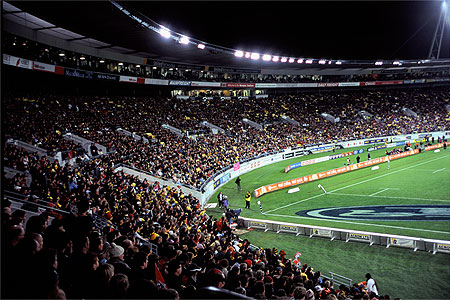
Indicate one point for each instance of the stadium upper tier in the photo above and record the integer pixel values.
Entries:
(70, 49)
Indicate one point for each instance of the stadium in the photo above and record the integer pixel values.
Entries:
(228, 150)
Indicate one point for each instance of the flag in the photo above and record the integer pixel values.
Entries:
(296, 260)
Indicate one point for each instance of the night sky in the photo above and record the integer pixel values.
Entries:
(338, 30)
(331, 30)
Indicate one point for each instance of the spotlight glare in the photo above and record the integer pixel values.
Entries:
(339, 62)
(184, 40)
(266, 57)
(309, 61)
(154, 68)
(283, 59)
(102, 61)
(247, 54)
(378, 63)
(275, 58)
(164, 32)
(322, 62)
(291, 60)
(138, 66)
(238, 53)
(120, 64)
(300, 60)
(254, 56)
(61, 54)
(82, 58)
(201, 46)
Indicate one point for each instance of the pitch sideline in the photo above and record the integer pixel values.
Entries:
(367, 180)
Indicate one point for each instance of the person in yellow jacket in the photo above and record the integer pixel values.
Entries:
(248, 197)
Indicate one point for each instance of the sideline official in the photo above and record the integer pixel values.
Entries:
(248, 197)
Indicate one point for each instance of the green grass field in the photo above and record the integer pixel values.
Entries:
(419, 179)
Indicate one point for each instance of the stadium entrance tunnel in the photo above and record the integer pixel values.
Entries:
(381, 213)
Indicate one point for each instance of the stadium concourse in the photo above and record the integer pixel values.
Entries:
(71, 258)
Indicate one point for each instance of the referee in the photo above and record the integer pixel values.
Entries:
(248, 197)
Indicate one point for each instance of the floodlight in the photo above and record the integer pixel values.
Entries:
(291, 60)
(247, 54)
(82, 58)
(254, 56)
(170, 69)
(120, 64)
(238, 53)
(309, 61)
(275, 58)
(396, 62)
(300, 60)
(322, 62)
(266, 57)
(284, 59)
(154, 68)
(61, 54)
(164, 32)
(339, 62)
(102, 61)
(138, 66)
(378, 63)
(184, 40)
(201, 46)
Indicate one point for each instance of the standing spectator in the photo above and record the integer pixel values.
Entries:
(358, 159)
(220, 199)
(371, 285)
(238, 183)
(225, 202)
(368, 155)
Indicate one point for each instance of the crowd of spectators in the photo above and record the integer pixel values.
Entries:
(43, 121)
(69, 257)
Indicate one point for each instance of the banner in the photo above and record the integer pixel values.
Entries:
(205, 84)
(179, 82)
(401, 243)
(48, 68)
(321, 232)
(238, 85)
(131, 79)
(105, 76)
(375, 141)
(376, 148)
(327, 84)
(287, 228)
(288, 183)
(17, 62)
(79, 73)
(358, 237)
(156, 81)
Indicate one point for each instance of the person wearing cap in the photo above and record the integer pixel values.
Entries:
(116, 254)
(191, 274)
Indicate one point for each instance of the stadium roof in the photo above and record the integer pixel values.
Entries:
(330, 30)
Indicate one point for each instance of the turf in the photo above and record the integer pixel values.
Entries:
(399, 272)
(419, 179)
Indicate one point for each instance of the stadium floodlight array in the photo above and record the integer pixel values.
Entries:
(182, 39)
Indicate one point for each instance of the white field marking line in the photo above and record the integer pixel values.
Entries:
(439, 170)
(364, 181)
(391, 197)
(383, 190)
(358, 223)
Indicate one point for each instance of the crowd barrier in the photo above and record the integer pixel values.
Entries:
(371, 238)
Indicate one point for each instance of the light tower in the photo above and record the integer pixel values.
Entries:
(435, 49)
